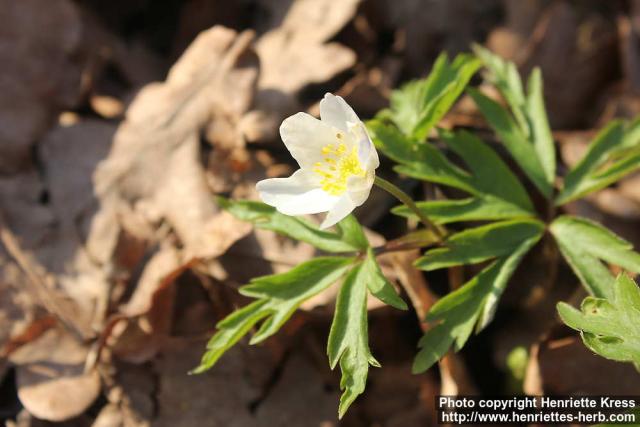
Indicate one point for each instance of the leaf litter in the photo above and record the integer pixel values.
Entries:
(116, 260)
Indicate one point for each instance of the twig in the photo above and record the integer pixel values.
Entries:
(37, 284)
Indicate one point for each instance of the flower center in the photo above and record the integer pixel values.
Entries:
(337, 166)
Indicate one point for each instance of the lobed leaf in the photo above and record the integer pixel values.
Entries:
(525, 132)
(496, 191)
(480, 244)
(348, 338)
(348, 238)
(585, 244)
(278, 296)
(514, 140)
(609, 327)
(418, 105)
(480, 208)
(378, 284)
(614, 153)
(491, 176)
(454, 316)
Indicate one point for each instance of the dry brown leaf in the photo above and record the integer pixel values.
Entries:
(51, 379)
(154, 167)
(295, 53)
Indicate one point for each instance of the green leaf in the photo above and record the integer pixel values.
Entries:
(348, 239)
(470, 209)
(584, 244)
(614, 153)
(278, 297)
(491, 176)
(496, 192)
(504, 75)
(528, 112)
(454, 316)
(378, 285)
(514, 140)
(609, 327)
(351, 232)
(480, 244)
(348, 338)
(418, 105)
(539, 125)
(231, 329)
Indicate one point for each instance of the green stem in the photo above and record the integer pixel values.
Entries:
(404, 198)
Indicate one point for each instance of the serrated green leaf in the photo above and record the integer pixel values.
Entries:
(497, 192)
(514, 140)
(278, 297)
(491, 176)
(614, 153)
(528, 111)
(421, 161)
(609, 327)
(348, 338)
(584, 244)
(474, 303)
(393, 143)
(480, 244)
(231, 330)
(352, 233)
(504, 75)
(539, 125)
(268, 218)
(418, 105)
(470, 209)
(378, 284)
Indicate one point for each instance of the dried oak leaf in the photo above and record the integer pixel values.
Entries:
(294, 54)
(154, 167)
(51, 379)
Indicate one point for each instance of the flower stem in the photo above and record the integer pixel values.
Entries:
(404, 198)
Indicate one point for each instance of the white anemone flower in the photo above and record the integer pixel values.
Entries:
(337, 164)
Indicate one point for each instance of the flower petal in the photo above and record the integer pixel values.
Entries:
(304, 136)
(298, 194)
(359, 188)
(339, 211)
(335, 111)
(367, 153)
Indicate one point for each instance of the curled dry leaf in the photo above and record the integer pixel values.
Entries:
(51, 379)
(294, 54)
(155, 159)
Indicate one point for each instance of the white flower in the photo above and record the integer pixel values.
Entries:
(337, 164)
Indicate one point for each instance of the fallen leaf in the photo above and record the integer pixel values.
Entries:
(51, 380)
(295, 53)
(155, 159)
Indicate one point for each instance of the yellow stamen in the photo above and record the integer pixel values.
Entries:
(338, 166)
